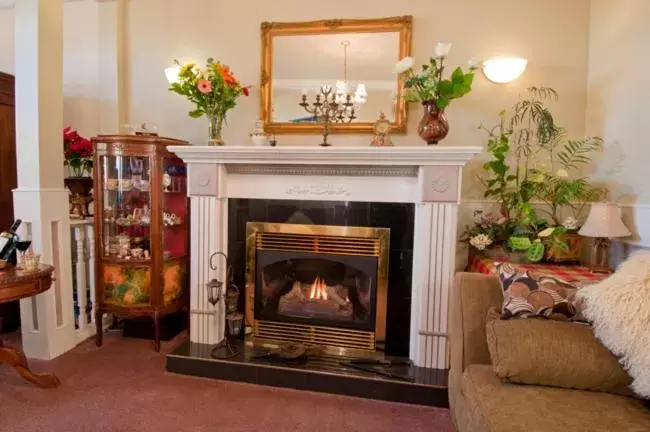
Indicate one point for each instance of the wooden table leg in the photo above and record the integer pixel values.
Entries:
(16, 358)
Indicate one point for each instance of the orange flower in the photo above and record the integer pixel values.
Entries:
(227, 76)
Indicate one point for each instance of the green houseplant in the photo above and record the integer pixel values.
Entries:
(530, 162)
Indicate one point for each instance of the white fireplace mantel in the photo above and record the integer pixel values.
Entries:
(377, 156)
(429, 177)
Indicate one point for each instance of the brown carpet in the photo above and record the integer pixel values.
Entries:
(123, 387)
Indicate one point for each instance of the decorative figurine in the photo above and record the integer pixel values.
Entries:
(258, 136)
(382, 130)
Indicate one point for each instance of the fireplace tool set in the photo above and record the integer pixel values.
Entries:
(233, 319)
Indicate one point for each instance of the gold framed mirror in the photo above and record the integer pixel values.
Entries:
(352, 58)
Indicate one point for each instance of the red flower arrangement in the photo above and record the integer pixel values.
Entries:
(78, 152)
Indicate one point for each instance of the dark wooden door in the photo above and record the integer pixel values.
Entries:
(7, 150)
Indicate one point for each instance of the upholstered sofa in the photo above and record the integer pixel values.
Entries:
(480, 401)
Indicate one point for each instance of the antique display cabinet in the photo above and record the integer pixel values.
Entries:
(141, 229)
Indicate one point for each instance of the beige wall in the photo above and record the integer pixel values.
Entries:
(619, 92)
(556, 45)
(80, 62)
(554, 42)
(7, 41)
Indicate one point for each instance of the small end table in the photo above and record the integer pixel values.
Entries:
(576, 274)
(16, 284)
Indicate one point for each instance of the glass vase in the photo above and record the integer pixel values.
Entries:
(215, 124)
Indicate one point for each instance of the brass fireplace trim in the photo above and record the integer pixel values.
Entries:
(366, 241)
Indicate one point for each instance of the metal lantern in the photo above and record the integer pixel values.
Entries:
(215, 289)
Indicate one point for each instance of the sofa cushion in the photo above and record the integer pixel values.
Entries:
(529, 294)
(552, 353)
(522, 408)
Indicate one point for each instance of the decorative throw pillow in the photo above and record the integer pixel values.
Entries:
(552, 353)
(529, 294)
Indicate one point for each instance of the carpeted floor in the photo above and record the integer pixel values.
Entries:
(123, 387)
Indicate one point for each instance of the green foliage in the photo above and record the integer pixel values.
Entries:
(576, 153)
(535, 252)
(429, 84)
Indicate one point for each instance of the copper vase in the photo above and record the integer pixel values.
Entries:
(434, 125)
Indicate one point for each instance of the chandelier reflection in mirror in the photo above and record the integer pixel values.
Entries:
(336, 105)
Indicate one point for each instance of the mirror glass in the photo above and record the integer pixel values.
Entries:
(356, 64)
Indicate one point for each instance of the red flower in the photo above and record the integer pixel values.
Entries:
(245, 90)
(69, 134)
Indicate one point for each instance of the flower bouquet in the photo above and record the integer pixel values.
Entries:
(214, 90)
(433, 91)
(78, 152)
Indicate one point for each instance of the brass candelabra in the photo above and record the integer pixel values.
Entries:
(328, 108)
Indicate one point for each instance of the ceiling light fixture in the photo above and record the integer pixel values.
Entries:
(504, 69)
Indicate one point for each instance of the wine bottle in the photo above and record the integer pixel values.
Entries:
(8, 242)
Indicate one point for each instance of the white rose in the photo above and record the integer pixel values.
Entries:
(403, 65)
(562, 173)
(473, 63)
(442, 49)
(480, 241)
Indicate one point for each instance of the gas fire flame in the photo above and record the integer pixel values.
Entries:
(318, 290)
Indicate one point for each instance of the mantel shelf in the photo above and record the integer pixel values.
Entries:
(366, 155)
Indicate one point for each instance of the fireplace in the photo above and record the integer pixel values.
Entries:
(317, 284)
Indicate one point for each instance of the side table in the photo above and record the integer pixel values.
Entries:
(577, 274)
(16, 284)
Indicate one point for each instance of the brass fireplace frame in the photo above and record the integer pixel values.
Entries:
(365, 241)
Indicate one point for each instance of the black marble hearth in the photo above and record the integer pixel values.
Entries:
(321, 374)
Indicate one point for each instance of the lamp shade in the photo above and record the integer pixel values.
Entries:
(604, 220)
(504, 70)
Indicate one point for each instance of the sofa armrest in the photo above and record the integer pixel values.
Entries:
(473, 295)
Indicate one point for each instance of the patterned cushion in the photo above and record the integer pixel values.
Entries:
(527, 294)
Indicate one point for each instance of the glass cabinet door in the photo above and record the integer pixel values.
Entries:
(175, 214)
(127, 207)
(126, 189)
(175, 228)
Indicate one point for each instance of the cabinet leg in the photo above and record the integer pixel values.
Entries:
(99, 336)
(156, 325)
(16, 359)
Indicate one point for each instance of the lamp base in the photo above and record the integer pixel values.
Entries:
(599, 262)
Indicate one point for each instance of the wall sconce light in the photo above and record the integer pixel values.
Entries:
(172, 73)
(505, 69)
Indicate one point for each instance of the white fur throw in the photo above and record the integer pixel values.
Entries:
(619, 310)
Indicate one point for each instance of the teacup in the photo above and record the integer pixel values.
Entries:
(137, 252)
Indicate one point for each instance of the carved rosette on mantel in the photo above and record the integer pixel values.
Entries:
(429, 177)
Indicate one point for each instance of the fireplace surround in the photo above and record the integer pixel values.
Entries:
(426, 177)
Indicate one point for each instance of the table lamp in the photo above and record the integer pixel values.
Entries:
(604, 222)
